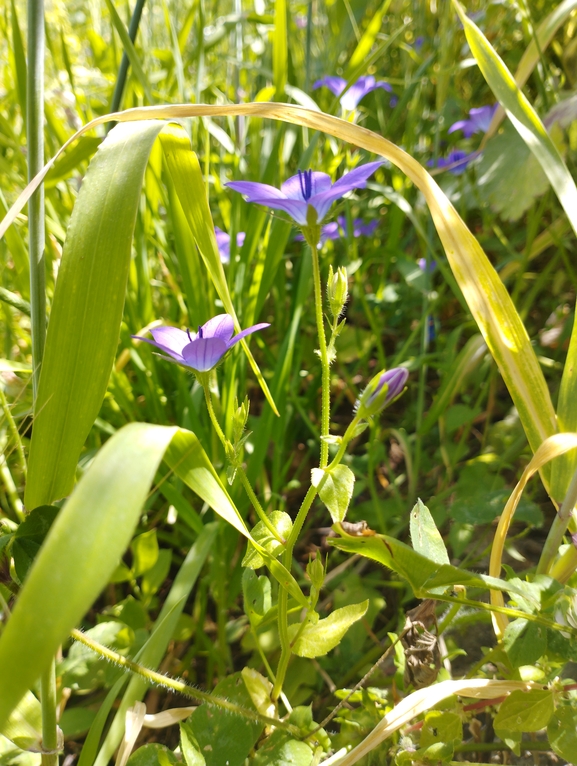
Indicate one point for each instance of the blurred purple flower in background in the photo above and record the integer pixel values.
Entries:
(419, 42)
(478, 122)
(422, 264)
(203, 350)
(355, 93)
(339, 228)
(456, 161)
(223, 243)
(308, 190)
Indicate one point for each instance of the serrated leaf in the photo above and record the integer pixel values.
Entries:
(318, 639)
(526, 711)
(282, 522)
(509, 175)
(425, 536)
(562, 733)
(337, 490)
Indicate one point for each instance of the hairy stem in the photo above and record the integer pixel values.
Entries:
(325, 365)
(178, 685)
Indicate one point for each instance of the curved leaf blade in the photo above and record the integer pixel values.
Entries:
(83, 548)
(87, 310)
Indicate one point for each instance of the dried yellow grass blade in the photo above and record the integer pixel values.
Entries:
(424, 699)
(551, 448)
(484, 292)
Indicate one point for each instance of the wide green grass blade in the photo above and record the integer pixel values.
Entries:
(188, 183)
(83, 548)
(87, 310)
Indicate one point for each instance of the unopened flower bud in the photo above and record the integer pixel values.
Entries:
(383, 389)
(240, 417)
(337, 290)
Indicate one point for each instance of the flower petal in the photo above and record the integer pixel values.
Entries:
(335, 84)
(174, 354)
(292, 188)
(204, 353)
(169, 339)
(253, 190)
(360, 89)
(221, 326)
(248, 331)
(295, 208)
(356, 179)
(223, 244)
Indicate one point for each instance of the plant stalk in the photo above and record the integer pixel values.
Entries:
(35, 142)
(124, 62)
(326, 372)
(558, 528)
(50, 743)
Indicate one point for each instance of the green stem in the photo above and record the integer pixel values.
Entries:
(13, 430)
(558, 528)
(177, 685)
(326, 372)
(240, 470)
(11, 490)
(287, 560)
(124, 63)
(35, 142)
(50, 745)
(564, 567)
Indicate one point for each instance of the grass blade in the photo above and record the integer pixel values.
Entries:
(87, 310)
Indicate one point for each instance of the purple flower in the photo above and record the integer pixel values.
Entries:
(478, 122)
(339, 228)
(203, 351)
(383, 389)
(419, 42)
(355, 93)
(223, 243)
(456, 161)
(309, 190)
(422, 264)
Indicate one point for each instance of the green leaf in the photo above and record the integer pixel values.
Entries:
(87, 308)
(282, 522)
(188, 183)
(509, 175)
(257, 596)
(153, 754)
(336, 491)
(281, 750)
(24, 727)
(525, 642)
(189, 748)
(425, 536)
(81, 551)
(440, 726)
(280, 48)
(526, 711)
(84, 670)
(154, 577)
(366, 42)
(224, 737)
(144, 551)
(562, 733)
(29, 537)
(315, 640)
